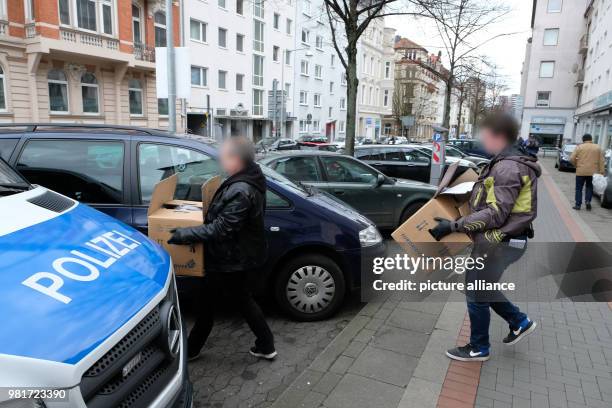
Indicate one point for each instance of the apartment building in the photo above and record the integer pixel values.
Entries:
(240, 52)
(594, 111)
(375, 67)
(82, 61)
(551, 77)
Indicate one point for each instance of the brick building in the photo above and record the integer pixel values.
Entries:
(82, 61)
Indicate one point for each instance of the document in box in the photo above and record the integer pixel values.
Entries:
(459, 189)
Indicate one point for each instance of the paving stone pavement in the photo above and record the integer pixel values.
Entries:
(227, 376)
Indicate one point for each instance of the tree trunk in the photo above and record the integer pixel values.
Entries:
(459, 115)
(351, 96)
(447, 103)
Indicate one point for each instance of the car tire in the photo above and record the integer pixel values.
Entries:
(606, 201)
(556, 165)
(300, 284)
(410, 210)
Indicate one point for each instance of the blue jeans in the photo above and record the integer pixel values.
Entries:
(499, 257)
(580, 182)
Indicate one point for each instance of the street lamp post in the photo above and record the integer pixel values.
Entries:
(283, 62)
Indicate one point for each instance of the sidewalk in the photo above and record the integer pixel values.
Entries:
(392, 353)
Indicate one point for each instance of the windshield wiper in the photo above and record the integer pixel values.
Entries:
(15, 187)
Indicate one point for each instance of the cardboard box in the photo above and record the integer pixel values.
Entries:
(448, 202)
(165, 214)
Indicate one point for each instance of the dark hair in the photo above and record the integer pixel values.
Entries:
(587, 138)
(501, 123)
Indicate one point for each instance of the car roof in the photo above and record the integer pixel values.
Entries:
(289, 153)
(20, 128)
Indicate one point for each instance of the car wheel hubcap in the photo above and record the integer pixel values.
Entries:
(310, 289)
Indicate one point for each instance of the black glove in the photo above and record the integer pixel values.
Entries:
(444, 228)
(178, 237)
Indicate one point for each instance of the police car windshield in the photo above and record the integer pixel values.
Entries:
(9, 178)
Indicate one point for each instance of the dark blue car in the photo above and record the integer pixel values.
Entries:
(316, 244)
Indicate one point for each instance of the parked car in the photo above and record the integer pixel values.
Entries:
(312, 139)
(326, 147)
(606, 195)
(90, 314)
(386, 201)
(470, 147)
(67, 159)
(452, 151)
(563, 156)
(411, 162)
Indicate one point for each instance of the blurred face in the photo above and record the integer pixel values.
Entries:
(492, 142)
(230, 163)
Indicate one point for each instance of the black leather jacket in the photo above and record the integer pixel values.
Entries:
(233, 230)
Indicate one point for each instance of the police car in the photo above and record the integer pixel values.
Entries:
(88, 307)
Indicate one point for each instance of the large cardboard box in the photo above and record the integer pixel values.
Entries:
(449, 202)
(165, 214)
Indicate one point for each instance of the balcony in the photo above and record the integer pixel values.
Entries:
(584, 44)
(96, 40)
(143, 52)
(30, 30)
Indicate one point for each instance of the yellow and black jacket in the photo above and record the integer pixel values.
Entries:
(504, 199)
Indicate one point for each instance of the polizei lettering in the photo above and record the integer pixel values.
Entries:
(82, 265)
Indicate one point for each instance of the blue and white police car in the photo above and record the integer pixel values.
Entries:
(89, 315)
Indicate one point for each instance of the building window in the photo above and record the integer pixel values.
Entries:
(258, 102)
(289, 26)
(135, 97)
(317, 100)
(160, 29)
(2, 90)
(555, 6)
(222, 37)
(388, 69)
(64, 12)
(258, 36)
(318, 71)
(316, 126)
(276, 21)
(342, 126)
(304, 98)
(547, 69)
(221, 3)
(342, 103)
(343, 79)
(58, 91)
(275, 53)
(221, 83)
(199, 76)
(162, 106)
(258, 66)
(136, 24)
(330, 111)
(89, 93)
(386, 98)
(107, 16)
(240, 7)
(304, 67)
(197, 30)
(332, 60)
(331, 87)
(240, 42)
(306, 7)
(303, 126)
(551, 36)
(287, 57)
(240, 82)
(543, 99)
(258, 8)
(319, 42)
(305, 36)
(287, 90)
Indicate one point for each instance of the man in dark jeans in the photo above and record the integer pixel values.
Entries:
(503, 204)
(234, 246)
(588, 158)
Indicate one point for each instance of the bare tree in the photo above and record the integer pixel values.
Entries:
(401, 103)
(461, 25)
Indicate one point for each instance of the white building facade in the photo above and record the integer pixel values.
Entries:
(551, 74)
(594, 113)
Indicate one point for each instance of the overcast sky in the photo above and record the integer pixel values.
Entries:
(506, 52)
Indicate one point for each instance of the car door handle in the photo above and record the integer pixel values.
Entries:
(338, 192)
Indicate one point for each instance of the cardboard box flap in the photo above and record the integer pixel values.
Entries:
(208, 192)
(162, 193)
(448, 177)
(468, 175)
(459, 189)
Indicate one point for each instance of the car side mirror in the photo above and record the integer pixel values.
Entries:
(380, 180)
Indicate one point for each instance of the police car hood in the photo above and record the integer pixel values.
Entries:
(69, 280)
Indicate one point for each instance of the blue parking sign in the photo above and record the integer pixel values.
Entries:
(437, 137)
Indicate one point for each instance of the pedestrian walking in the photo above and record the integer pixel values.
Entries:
(234, 247)
(532, 146)
(588, 158)
(503, 205)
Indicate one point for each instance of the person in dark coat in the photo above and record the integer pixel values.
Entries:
(234, 246)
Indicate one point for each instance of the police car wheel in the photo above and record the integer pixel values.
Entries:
(310, 288)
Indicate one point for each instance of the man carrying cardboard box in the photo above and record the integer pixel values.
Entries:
(234, 246)
(503, 205)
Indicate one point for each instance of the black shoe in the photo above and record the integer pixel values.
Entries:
(193, 354)
(468, 353)
(576, 207)
(525, 328)
(588, 207)
(260, 354)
